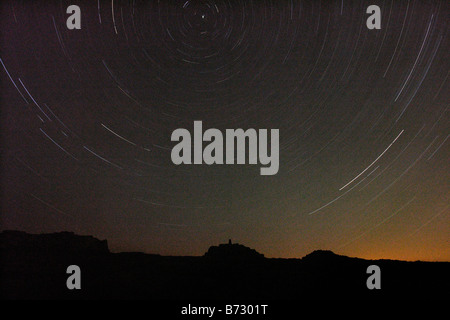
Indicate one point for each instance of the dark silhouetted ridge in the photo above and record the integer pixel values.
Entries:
(34, 267)
(232, 251)
(319, 256)
(51, 243)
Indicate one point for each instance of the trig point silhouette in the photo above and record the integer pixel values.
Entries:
(229, 241)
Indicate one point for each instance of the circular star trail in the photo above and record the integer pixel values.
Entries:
(87, 117)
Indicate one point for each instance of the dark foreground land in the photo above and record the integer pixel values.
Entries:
(34, 267)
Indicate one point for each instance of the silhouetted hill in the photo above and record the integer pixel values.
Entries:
(60, 243)
(34, 267)
(321, 255)
(232, 251)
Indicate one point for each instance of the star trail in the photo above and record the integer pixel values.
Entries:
(87, 118)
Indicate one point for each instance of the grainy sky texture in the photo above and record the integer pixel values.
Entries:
(87, 116)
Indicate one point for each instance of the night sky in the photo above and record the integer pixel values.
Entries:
(87, 117)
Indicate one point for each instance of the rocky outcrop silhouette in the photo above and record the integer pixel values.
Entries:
(232, 251)
(52, 243)
(321, 256)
